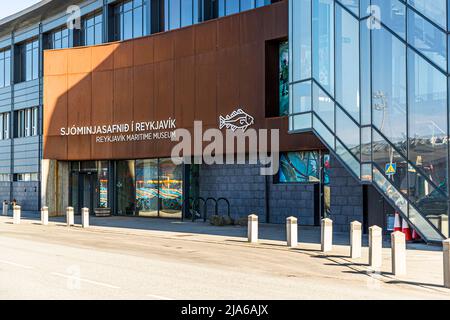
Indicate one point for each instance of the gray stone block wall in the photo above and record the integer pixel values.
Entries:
(346, 197)
(246, 190)
(4, 191)
(242, 185)
(27, 195)
(295, 200)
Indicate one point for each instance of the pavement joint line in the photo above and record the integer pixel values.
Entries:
(261, 245)
(158, 297)
(117, 230)
(85, 280)
(16, 264)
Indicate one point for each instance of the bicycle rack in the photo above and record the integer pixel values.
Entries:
(194, 205)
(185, 208)
(205, 216)
(228, 206)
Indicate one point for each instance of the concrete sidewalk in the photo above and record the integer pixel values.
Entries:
(273, 232)
(202, 262)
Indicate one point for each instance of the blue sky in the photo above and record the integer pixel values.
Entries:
(10, 7)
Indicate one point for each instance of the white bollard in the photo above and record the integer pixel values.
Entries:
(5, 208)
(16, 214)
(85, 217)
(446, 254)
(398, 248)
(70, 217)
(327, 235)
(375, 248)
(292, 232)
(252, 231)
(355, 239)
(44, 216)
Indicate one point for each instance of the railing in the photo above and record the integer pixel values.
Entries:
(193, 210)
(416, 217)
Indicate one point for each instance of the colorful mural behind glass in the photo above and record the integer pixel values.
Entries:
(159, 188)
(284, 79)
(300, 167)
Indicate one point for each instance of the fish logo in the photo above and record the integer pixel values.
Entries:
(239, 119)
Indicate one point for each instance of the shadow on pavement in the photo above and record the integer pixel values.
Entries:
(274, 232)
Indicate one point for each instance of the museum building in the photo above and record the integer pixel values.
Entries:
(356, 89)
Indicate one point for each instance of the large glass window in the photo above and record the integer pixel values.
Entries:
(323, 106)
(429, 40)
(299, 167)
(4, 126)
(92, 29)
(347, 62)
(432, 9)
(378, 71)
(301, 95)
(348, 131)
(393, 15)
(300, 41)
(125, 188)
(58, 39)
(428, 143)
(284, 78)
(352, 5)
(170, 189)
(389, 86)
(181, 13)
(26, 123)
(27, 63)
(26, 177)
(5, 68)
(159, 188)
(227, 7)
(130, 19)
(323, 44)
(383, 155)
(147, 187)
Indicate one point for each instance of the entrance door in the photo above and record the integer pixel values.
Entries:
(87, 191)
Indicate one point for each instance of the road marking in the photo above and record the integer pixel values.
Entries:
(16, 264)
(158, 297)
(85, 280)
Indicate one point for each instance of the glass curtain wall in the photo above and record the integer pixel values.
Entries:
(227, 7)
(5, 68)
(130, 19)
(182, 13)
(372, 83)
(149, 188)
(92, 29)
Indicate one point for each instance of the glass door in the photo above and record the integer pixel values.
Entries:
(147, 188)
(89, 191)
(170, 189)
(125, 188)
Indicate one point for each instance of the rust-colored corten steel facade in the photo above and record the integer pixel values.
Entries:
(195, 73)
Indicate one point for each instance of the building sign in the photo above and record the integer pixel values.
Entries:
(391, 169)
(239, 119)
(125, 132)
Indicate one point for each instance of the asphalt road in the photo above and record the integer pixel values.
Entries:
(56, 262)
